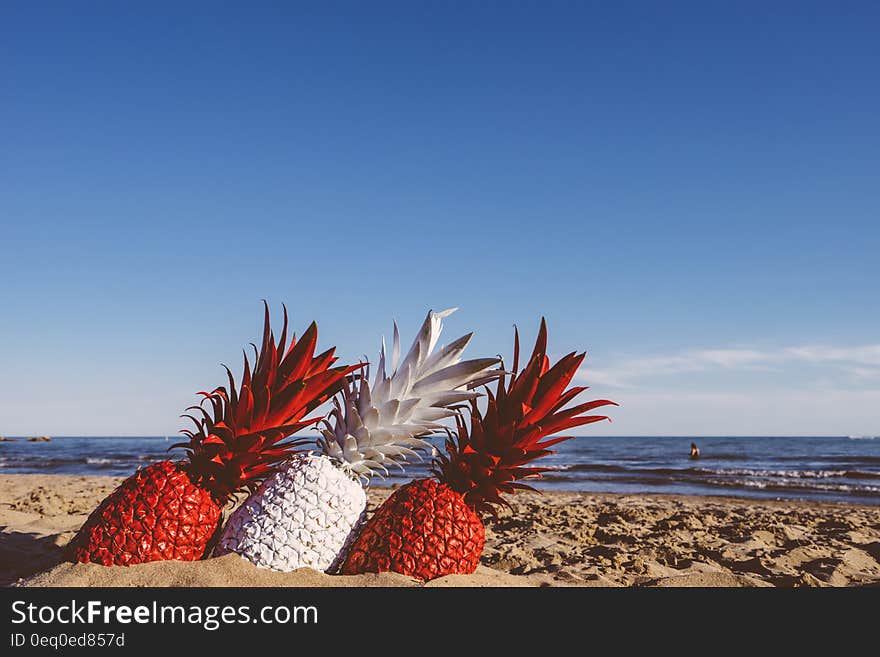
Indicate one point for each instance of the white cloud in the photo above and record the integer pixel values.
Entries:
(833, 391)
(862, 362)
(780, 412)
(864, 373)
(865, 355)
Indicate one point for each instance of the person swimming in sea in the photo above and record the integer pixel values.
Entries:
(695, 451)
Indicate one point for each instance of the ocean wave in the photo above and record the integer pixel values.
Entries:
(788, 474)
(797, 485)
(584, 467)
(741, 472)
(829, 459)
(779, 485)
(39, 464)
(703, 457)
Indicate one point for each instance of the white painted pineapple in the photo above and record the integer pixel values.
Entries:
(308, 512)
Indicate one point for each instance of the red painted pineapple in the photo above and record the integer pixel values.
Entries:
(431, 527)
(172, 510)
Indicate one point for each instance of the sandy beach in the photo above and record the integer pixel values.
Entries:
(554, 539)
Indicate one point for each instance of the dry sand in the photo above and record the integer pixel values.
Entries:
(557, 539)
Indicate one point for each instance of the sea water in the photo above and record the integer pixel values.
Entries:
(840, 469)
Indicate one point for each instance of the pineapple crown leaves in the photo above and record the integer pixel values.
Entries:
(240, 437)
(372, 427)
(489, 458)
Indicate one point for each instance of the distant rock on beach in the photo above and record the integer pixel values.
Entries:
(39, 439)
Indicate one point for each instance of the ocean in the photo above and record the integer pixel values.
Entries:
(836, 469)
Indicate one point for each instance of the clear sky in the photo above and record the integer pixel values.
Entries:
(688, 191)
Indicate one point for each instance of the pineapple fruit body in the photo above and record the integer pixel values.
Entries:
(303, 516)
(156, 514)
(424, 530)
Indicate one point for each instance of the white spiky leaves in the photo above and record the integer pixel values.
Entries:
(371, 428)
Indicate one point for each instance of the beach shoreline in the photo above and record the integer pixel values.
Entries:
(550, 539)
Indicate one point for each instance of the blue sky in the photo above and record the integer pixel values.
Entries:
(688, 191)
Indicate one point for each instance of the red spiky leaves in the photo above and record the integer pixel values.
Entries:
(489, 458)
(238, 443)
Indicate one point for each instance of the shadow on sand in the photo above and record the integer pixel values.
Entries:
(23, 554)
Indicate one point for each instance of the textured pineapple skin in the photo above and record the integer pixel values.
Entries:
(157, 514)
(304, 516)
(424, 530)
